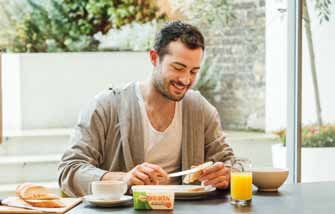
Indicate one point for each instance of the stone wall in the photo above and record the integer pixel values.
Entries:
(240, 49)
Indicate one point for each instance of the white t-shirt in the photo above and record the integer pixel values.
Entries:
(162, 148)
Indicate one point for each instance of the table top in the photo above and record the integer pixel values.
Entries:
(292, 198)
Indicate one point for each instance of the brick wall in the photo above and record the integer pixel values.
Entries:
(241, 57)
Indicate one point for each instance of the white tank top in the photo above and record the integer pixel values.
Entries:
(162, 148)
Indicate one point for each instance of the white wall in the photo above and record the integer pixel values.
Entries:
(276, 68)
(11, 79)
(49, 90)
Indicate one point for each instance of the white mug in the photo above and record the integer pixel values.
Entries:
(113, 190)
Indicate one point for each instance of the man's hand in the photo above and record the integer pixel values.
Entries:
(146, 174)
(216, 175)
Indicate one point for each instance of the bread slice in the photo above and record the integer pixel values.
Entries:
(56, 203)
(197, 189)
(190, 178)
(38, 196)
(28, 191)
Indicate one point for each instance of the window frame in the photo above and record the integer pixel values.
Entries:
(294, 89)
(1, 122)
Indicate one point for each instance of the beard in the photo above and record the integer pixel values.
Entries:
(162, 87)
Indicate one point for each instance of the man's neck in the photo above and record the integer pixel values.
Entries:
(160, 110)
(153, 99)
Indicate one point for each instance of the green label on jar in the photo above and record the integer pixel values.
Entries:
(152, 200)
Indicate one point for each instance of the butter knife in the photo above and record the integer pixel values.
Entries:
(190, 171)
(185, 172)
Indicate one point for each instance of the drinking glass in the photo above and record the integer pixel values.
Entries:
(241, 182)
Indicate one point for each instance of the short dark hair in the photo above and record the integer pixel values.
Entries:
(188, 34)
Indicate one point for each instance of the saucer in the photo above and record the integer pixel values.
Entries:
(93, 200)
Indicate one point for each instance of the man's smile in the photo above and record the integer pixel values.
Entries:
(179, 87)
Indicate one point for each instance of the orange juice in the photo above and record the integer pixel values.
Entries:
(241, 185)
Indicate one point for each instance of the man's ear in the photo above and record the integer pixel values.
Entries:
(154, 57)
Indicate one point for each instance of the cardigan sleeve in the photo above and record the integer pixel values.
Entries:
(79, 165)
(216, 148)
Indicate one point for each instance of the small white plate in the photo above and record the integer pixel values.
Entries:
(185, 193)
(91, 199)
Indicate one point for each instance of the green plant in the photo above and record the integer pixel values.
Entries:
(213, 14)
(7, 21)
(314, 136)
(324, 9)
(69, 25)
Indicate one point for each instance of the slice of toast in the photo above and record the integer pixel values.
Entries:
(55, 203)
(190, 178)
(197, 189)
(38, 196)
(28, 191)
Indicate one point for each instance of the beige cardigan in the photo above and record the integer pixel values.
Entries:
(109, 137)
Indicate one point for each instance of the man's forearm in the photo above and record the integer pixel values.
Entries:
(116, 176)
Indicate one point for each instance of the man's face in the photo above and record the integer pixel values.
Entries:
(176, 73)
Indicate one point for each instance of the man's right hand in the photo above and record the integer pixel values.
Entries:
(146, 174)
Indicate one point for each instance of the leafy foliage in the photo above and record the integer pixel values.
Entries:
(324, 9)
(314, 136)
(7, 21)
(213, 14)
(69, 25)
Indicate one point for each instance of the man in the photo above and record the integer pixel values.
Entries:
(148, 129)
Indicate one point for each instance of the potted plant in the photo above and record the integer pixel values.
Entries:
(317, 152)
(53, 52)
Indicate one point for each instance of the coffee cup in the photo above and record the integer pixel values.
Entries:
(112, 190)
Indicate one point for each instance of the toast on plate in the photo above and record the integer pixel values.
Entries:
(38, 196)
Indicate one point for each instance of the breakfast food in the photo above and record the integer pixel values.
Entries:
(38, 196)
(196, 189)
(56, 203)
(29, 191)
(190, 178)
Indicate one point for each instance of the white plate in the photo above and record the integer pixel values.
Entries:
(91, 199)
(182, 191)
(185, 192)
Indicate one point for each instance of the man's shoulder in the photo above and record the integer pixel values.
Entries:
(104, 103)
(195, 100)
(193, 96)
(112, 93)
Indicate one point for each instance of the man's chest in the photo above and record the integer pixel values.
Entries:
(160, 121)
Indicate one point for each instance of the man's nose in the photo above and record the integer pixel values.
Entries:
(185, 79)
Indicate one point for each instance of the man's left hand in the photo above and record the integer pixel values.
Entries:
(216, 175)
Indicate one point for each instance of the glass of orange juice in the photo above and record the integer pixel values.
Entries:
(241, 182)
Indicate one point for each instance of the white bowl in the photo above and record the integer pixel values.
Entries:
(268, 179)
